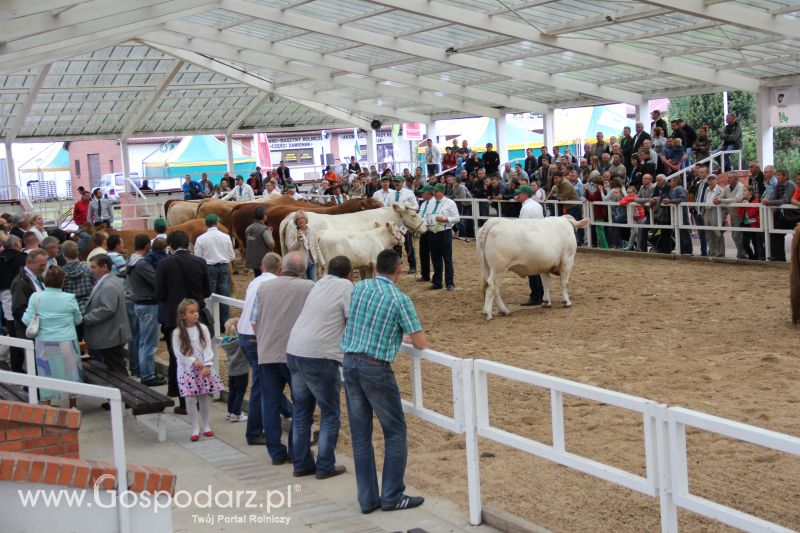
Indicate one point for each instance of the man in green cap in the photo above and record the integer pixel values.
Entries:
(291, 191)
(441, 218)
(405, 197)
(531, 209)
(425, 239)
(216, 249)
(160, 227)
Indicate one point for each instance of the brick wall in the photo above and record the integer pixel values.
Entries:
(39, 444)
(108, 150)
(79, 473)
(39, 429)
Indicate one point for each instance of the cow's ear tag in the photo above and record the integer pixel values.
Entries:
(403, 230)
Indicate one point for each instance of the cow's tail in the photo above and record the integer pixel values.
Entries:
(480, 243)
(584, 222)
(282, 232)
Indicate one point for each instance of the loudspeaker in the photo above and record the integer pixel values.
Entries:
(375, 124)
(326, 135)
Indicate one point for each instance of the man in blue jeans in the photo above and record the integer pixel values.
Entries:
(278, 303)
(140, 285)
(314, 360)
(217, 250)
(270, 268)
(380, 316)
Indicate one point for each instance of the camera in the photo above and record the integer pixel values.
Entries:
(611, 17)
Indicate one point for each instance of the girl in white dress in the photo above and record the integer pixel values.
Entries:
(191, 344)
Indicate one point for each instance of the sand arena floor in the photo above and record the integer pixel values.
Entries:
(711, 337)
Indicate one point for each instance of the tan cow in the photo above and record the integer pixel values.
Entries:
(179, 211)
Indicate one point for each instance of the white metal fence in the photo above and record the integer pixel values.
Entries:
(664, 433)
(111, 394)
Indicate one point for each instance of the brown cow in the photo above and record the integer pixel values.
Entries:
(242, 216)
(221, 208)
(193, 228)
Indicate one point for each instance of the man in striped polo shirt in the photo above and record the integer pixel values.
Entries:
(380, 318)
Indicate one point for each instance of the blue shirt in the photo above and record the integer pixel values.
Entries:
(379, 316)
(58, 314)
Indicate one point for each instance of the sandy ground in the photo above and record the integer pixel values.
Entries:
(711, 337)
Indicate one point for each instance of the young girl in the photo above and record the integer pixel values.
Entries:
(196, 378)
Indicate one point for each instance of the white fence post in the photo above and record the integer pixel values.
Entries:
(30, 369)
(669, 512)
(471, 437)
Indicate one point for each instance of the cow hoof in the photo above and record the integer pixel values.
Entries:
(488, 317)
(505, 313)
(567, 304)
(547, 305)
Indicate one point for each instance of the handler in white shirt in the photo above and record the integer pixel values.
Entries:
(241, 193)
(385, 194)
(217, 250)
(442, 216)
(531, 209)
(271, 189)
(403, 196)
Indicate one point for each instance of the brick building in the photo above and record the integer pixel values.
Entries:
(89, 160)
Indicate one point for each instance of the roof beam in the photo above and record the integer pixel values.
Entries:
(490, 98)
(144, 108)
(329, 107)
(92, 35)
(291, 93)
(249, 110)
(630, 14)
(622, 54)
(214, 47)
(15, 9)
(101, 14)
(11, 134)
(437, 54)
(735, 14)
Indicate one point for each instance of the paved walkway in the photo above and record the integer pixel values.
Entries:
(225, 463)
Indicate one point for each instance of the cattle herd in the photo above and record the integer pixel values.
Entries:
(361, 228)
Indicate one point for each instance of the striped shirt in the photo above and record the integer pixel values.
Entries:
(380, 314)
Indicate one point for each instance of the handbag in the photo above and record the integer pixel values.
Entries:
(33, 328)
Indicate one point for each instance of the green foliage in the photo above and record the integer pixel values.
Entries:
(708, 109)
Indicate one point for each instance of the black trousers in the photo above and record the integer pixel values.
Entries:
(425, 255)
(412, 257)
(442, 255)
(116, 359)
(537, 289)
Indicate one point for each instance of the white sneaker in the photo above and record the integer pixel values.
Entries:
(230, 416)
(241, 418)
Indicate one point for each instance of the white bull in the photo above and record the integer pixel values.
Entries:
(360, 221)
(362, 247)
(526, 247)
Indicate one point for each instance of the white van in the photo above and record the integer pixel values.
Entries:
(114, 184)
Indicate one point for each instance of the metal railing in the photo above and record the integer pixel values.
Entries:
(114, 398)
(664, 433)
(711, 160)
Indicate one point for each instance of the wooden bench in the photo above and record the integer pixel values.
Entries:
(13, 393)
(146, 404)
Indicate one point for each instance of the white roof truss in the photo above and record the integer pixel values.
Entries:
(73, 69)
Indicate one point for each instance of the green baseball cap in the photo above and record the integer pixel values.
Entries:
(427, 188)
(211, 219)
(290, 187)
(398, 178)
(438, 187)
(160, 225)
(525, 189)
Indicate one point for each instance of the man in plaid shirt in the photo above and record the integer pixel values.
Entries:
(380, 318)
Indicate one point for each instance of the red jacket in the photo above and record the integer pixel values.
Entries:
(752, 213)
(80, 213)
(638, 211)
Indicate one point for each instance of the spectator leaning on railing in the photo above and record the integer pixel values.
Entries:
(783, 194)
